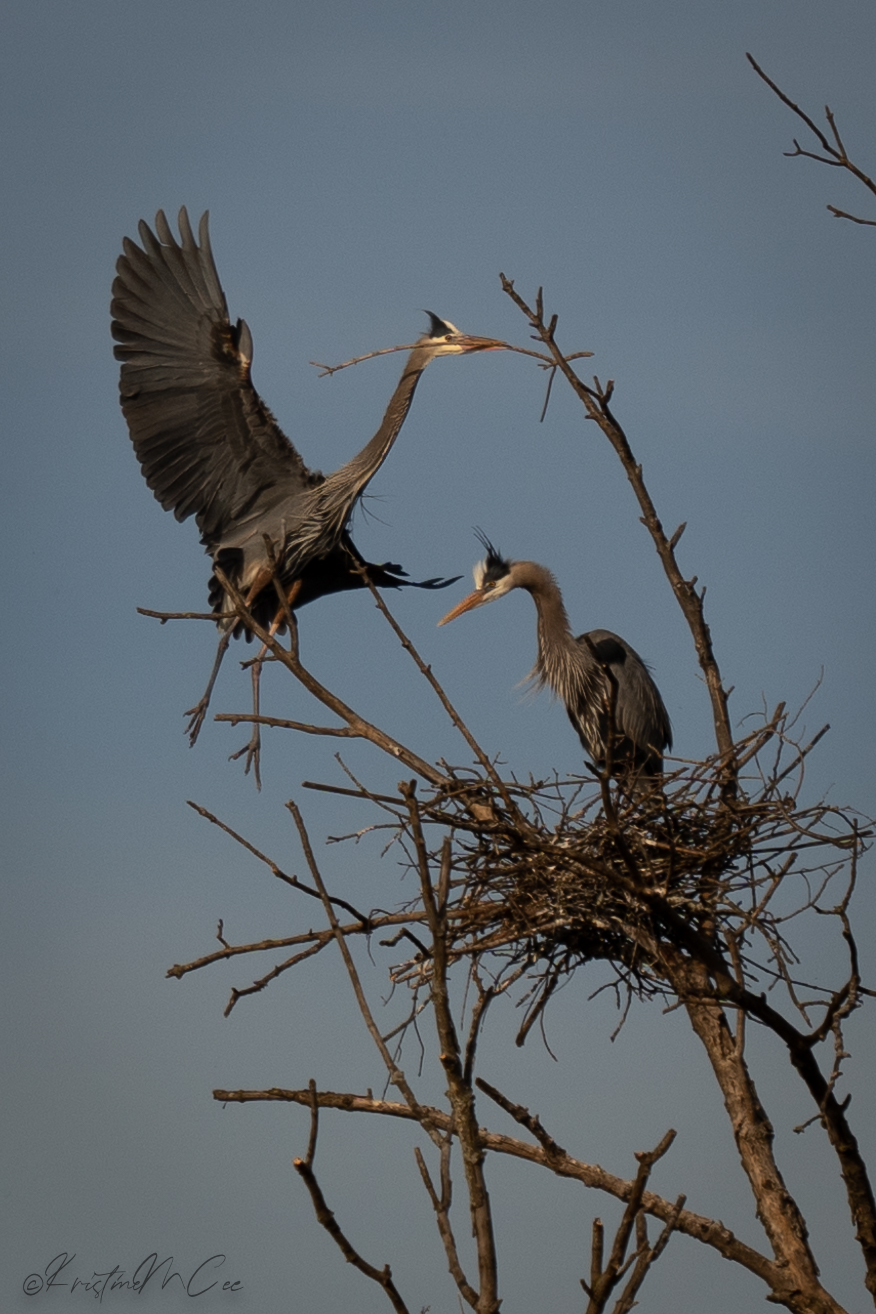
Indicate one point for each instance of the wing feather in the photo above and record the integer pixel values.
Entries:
(207, 444)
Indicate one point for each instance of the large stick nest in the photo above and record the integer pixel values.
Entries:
(558, 879)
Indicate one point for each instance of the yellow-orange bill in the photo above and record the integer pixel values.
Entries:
(473, 600)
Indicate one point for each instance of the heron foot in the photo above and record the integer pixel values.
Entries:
(253, 750)
(196, 716)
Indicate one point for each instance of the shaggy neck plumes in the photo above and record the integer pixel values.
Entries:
(559, 664)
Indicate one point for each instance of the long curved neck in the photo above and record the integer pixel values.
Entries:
(559, 654)
(341, 489)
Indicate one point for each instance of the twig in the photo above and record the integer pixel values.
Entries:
(705, 1230)
(442, 1216)
(292, 881)
(304, 1168)
(835, 153)
(451, 711)
(327, 370)
(396, 1076)
(289, 658)
(165, 616)
(596, 404)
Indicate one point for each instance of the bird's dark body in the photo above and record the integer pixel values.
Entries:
(208, 445)
(641, 720)
(334, 572)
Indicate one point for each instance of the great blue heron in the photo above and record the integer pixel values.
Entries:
(209, 447)
(575, 669)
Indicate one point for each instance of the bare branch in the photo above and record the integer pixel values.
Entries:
(304, 1168)
(442, 1214)
(426, 672)
(327, 370)
(396, 1076)
(855, 219)
(460, 1090)
(292, 881)
(705, 1230)
(595, 401)
(816, 131)
(603, 1281)
(647, 1257)
(289, 658)
(835, 153)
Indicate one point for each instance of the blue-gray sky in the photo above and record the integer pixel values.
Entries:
(360, 162)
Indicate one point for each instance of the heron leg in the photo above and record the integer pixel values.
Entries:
(253, 747)
(197, 713)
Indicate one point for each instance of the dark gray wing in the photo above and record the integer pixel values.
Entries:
(640, 713)
(207, 444)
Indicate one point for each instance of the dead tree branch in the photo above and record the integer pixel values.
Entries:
(304, 1168)
(460, 1092)
(603, 1281)
(708, 1231)
(833, 152)
(396, 1076)
(596, 403)
(289, 658)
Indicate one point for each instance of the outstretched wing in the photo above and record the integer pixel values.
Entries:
(207, 444)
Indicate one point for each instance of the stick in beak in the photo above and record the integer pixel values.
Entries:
(466, 342)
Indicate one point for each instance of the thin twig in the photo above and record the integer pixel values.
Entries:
(596, 403)
(835, 153)
(441, 1207)
(324, 1215)
(396, 1076)
(327, 370)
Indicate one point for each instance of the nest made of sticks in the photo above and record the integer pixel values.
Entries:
(560, 881)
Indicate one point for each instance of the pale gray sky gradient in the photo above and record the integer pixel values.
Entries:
(360, 162)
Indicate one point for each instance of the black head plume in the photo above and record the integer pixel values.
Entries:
(495, 567)
(438, 328)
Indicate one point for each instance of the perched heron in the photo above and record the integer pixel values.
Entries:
(597, 675)
(209, 447)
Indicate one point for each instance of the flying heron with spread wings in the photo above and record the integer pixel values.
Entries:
(209, 447)
(599, 677)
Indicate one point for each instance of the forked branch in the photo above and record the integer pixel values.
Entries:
(705, 1230)
(459, 1087)
(324, 1215)
(604, 1280)
(289, 658)
(832, 152)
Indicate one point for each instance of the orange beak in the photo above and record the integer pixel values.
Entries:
(473, 600)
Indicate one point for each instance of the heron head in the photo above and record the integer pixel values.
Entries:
(445, 339)
(493, 577)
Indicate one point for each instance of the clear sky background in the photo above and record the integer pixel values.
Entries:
(360, 162)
